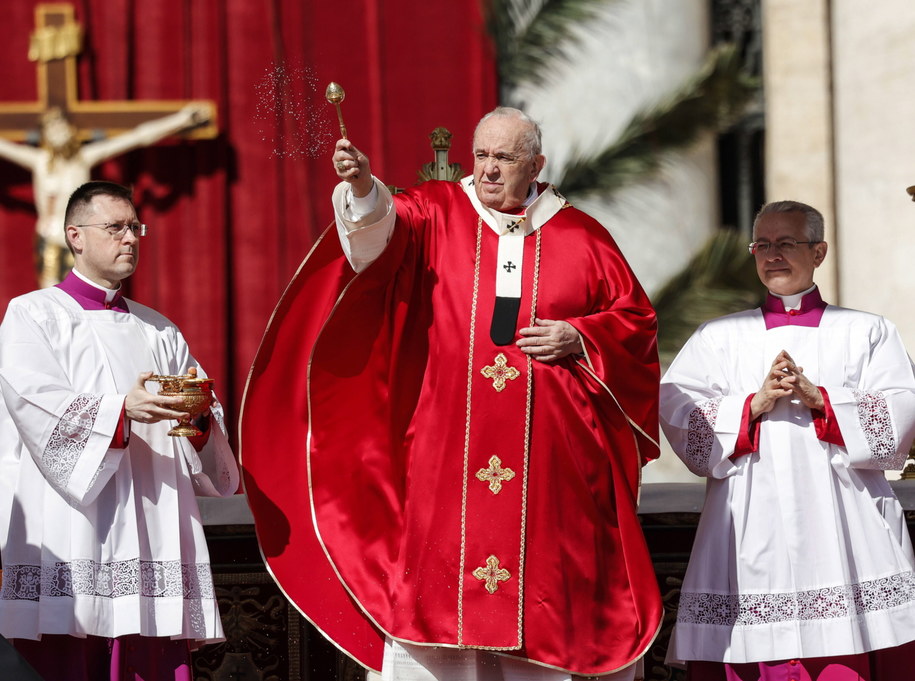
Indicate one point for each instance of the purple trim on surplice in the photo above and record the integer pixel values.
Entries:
(89, 297)
(809, 314)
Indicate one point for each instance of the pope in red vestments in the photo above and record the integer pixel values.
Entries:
(462, 420)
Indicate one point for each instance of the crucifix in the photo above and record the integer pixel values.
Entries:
(73, 135)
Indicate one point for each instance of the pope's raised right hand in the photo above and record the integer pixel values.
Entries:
(352, 166)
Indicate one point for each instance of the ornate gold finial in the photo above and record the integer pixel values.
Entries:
(55, 42)
(495, 475)
(492, 574)
(500, 372)
(440, 169)
(441, 139)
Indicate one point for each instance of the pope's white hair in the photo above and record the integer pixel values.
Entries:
(531, 137)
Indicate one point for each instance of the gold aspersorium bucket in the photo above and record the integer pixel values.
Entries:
(197, 394)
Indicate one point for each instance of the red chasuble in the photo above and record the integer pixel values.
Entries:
(409, 477)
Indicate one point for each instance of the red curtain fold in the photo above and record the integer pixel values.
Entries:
(229, 219)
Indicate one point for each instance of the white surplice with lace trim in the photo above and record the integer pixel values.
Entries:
(802, 548)
(96, 540)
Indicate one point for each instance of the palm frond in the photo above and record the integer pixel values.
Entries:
(719, 279)
(713, 100)
(529, 45)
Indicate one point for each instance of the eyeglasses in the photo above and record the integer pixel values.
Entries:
(782, 245)
(118, 231)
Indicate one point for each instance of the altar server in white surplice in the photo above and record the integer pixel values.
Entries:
(105, 567)
(802, 562)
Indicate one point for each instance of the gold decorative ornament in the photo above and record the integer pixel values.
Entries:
(495, 475)
(196, 392)
(492, 574)
(500, 372)
(441, 139)
(440, 168)
(335, 95)
(524, 454)
(48, 43)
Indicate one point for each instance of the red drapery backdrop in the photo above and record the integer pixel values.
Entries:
(229, 219)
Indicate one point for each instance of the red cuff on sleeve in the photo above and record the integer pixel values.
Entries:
(122, 433)
(748, 435)
(198, 441)
(824, 422)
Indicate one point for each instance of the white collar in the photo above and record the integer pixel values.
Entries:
(539, 208)
(793, 302)
(110, 293)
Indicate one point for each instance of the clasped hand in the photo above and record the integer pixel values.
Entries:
(549, 340)
(784, 379)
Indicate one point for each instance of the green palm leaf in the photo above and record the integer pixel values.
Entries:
(718, 280)
(530, 42)
(713, 100)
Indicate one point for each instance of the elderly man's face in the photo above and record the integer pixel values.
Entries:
(502, 169)
(786, 271)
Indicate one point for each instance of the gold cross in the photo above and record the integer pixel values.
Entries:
(500, 372)
(495, 474)
(54, 47)
(492, 574)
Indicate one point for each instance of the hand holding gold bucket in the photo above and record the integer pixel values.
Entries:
(197, 394)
